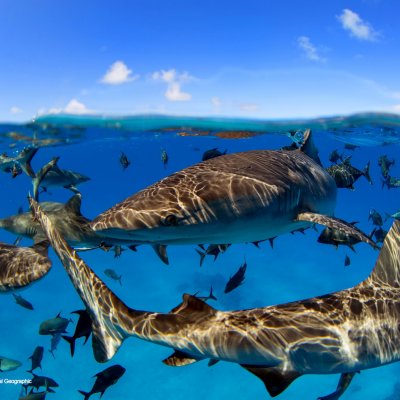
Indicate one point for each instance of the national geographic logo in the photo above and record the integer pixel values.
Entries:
(15, 381)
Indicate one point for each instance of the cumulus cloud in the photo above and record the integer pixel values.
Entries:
(174, 82)
(309, 49)
(73, 107)
(358, 28)
(15, 110)
(118, 73)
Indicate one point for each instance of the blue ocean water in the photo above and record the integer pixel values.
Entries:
(297, 267)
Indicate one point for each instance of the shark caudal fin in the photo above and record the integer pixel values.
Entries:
(106, 310)
(387, 267)
(309, 148)
(24, 159)
(38, 178)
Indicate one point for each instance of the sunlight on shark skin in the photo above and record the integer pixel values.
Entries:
(235, 198)
(342, 332)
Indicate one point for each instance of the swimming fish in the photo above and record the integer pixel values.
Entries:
(385, 164)
(379, 234)
(236, 279)
(113, 275)
(342, 332)
(21, 162)
(375, 217)
(349, 146)
(35, 395)
(21, 266)
(345, 175)
(36, 358)
(55, 340)
(22, 302)
(42, 381)
(235, 198)
(7, 364)
(83, 329)
(164, 158)
(208, 154)
(118, 250)
(337, 238)
(206, 298)
(212, 249)
(123, 159)
(334, 157)
(54, 325)
(104, 380)
(391, 182)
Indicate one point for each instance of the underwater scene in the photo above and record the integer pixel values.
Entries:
(237, 232)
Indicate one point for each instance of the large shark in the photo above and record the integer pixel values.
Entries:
(342, 332)
(242, 197)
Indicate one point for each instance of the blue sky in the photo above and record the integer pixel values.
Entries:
(256, 59)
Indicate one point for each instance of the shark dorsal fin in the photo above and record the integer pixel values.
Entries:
(180, 359)
(74, 204)
(309, 148)
(387, 267)
(191, 306)
(275, 380)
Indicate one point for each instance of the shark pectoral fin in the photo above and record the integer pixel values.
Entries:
(180, 359)
(336, 223)
(275, 380)
(343, 384)
(161, 251)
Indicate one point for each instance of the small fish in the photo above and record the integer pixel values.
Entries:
(7, 364)
(83, 329)
(349, 146)
(36, 395)
(213, 250)
(391, 182)
(385, 164)
(124, 160)
(21, 162)
(55, 339)
(54, 325)
(236, 279)
(42, 381)
(337, 238)
(379, 234)
(36, 358)
(345, 175)
(104, 380)
(347, 261)
(334, 157)
(118, 250)
(113, 275)
(22, 302)
(206, 298)
(375, 217)
(212, 153)
(164, 158)
(396, 215)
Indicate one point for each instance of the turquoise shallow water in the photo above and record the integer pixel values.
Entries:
(298, 267)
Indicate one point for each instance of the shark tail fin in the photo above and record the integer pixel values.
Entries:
(309, 148)
(38, 178)
(107, 312)
(387, 267)
(25, 158)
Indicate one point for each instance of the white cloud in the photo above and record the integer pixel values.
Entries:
(249, 107)
(73, 107)
(174, 82)
(396, 108)
(216, 101)
(358, 28)
(15, 110)
(118, 73)
(309, 49)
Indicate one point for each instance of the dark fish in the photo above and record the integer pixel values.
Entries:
(21, 162)
(83, 329)
(391, 182)
(36, 358)
(35, 395)
(118, 250)
(42, 381)
(345, 175)
(336, 238)
(347, 261)
(164, 157)
(379, 234)
(7, 364)
(375, 217)
(334, 157)
(236, 279)
(213, 250)
(54, 325)
(22, 302)
(55, 339)
(206, 298)
(385, 164)
(113, 275)
(349, 146)
(104, 380)
(124, 160)
(212, 153)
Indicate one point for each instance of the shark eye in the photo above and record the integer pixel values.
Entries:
(170, 220)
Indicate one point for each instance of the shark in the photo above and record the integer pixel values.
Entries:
(338, 333)
(21, 162)
(21, 266)
(234, 198)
